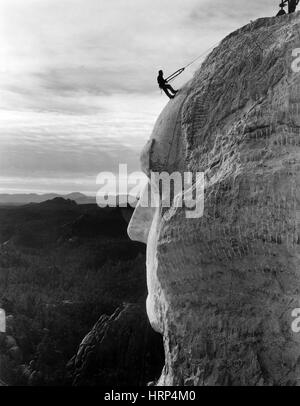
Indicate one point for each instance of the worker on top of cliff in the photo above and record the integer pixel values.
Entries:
(163, 84)
(281, 12)
(291, 3)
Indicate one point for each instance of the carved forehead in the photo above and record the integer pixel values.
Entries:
(239, 94)
(219, 99)
(165, 149)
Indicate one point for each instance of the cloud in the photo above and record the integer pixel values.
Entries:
(107, 47)
(40, 144)
(78, 90)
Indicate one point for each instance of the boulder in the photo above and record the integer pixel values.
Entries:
(119, 350)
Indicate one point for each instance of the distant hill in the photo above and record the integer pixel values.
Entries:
(23, 199)
(56, 203)
(59, 219)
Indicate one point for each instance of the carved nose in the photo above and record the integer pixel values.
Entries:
(140, 224)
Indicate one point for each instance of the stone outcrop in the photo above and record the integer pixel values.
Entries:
(121, 349)
(222, 288)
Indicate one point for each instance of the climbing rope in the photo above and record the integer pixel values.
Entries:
(175, 74)
(181, 70)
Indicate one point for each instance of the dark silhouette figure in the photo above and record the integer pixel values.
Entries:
(163, 84)
(281, 12)
(292, 5)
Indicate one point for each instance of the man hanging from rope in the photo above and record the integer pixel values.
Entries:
(291, 3)
(163, 84)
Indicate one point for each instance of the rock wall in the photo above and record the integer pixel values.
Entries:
(222, 288)
(121, 349)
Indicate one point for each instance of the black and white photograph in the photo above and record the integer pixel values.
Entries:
(149, 196)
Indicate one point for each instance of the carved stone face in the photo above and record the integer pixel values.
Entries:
(222, 288)
(163, 152)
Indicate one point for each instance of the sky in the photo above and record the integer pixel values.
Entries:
(78, 92)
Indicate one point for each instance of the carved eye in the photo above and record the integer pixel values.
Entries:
(146, 158)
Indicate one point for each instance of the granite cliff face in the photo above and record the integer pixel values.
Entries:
(222, 288)
(121, 348)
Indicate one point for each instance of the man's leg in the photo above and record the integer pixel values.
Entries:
(165, 89)
(292, 6)
(171, 89)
